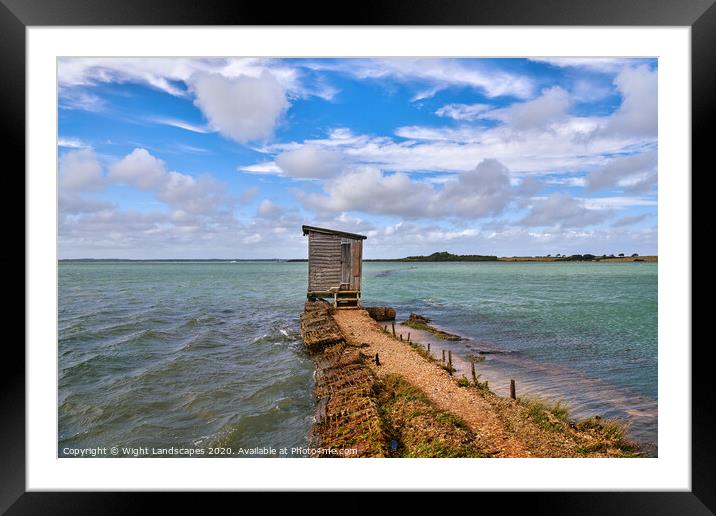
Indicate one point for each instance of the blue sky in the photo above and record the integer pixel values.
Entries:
(227, 157)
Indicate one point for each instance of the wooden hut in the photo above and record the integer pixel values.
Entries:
(334, 265)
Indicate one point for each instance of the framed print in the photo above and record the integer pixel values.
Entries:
(425, 239)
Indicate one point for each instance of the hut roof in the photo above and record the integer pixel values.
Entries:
(307, 229)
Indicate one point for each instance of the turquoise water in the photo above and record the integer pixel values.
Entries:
(209, 354)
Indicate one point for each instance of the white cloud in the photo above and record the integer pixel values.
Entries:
(165, 73)
(462, 134)
(242, 109)
(201, 196)
(181, 124)
(364, 173)
(437, 73)
(636, 173)
(139, 169)
(462, 111)
(550, 107)
(638, 114)
(266, 167)
(609, 65)
(368, 189)
(310, 161)
(563, 148)
(566, 180)
(198, 214)
(72, 143)
(268, 209)
(562, 210)
(616, 202)
(481, 192)
(191, 149)
(75, 98)
(538, 136)
(79, 171)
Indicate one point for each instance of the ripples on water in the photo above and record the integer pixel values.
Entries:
(182, 355)
(209, 354)
(582, 333)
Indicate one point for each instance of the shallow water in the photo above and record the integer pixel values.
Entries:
(209, 354)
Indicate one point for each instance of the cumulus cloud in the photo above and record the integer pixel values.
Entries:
(138, 169)
(637, 115)
(550, 107)
(185, 193)
(368, 189)
(310, 161)
(199, 210)
(563, 210)
(483, 191)
(79, 175)
(242, 109)
(636, 173)
(79, 171)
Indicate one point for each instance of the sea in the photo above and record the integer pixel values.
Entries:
(187, 355)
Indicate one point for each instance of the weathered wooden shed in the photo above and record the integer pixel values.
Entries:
(334, 265)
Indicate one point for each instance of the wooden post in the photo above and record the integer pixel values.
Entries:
(385, 328)
(450, 361)
(393, 325)
(443, 356)
(401, 336)
(408, 337)
(428, 347)
(377, 359)
(513, 394)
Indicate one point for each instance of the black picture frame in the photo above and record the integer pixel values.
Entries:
(700, 15)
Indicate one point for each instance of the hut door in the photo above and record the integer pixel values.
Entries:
(345, 264)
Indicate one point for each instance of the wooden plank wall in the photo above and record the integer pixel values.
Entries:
(324, 261)
(357, 248)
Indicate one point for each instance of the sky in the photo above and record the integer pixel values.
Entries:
(228, 157)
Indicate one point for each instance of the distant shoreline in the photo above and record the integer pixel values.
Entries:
(610, 259)
(647, 258)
